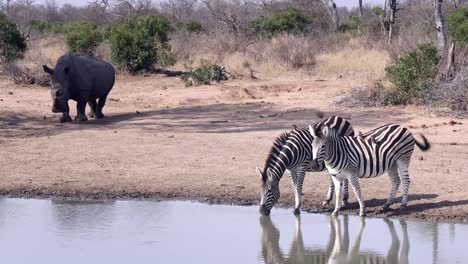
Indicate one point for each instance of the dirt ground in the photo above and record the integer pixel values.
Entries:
(163, 140)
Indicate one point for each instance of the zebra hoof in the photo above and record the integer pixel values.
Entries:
(334, 213)
(362, 214)
(345, 204)
(386, 208)
(325, 204)
(297, 212)
(402, 209)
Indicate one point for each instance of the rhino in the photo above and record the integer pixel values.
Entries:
(83, 79)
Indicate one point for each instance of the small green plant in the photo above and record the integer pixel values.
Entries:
(83, 38)
(413, 74)
(290, 21)
(457, 24)
(140, 43)
(12, 42)
(205, 74)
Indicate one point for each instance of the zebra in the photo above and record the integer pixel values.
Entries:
(293, 151)
(387, 148)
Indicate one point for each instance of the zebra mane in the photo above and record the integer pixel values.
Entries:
(274, 152)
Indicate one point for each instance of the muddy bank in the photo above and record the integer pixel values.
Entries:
(414, 212)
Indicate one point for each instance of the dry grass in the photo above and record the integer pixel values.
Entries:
(354, 61)
(43, 51)
(281, 56)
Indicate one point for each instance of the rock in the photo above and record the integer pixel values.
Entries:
(10, 93)
(452, 143)
(138, 112)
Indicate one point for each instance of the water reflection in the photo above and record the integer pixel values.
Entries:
(337, 249)
(79, 216)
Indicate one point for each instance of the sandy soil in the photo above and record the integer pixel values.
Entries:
(163, 140)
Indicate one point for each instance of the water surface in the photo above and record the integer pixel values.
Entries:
(50, 231)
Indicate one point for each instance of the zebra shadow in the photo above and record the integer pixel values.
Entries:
(337, 249)
(376, 203)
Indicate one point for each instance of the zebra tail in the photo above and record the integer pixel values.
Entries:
(425, 146)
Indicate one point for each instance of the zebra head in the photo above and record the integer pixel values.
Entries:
(270, 193)
(321, 135)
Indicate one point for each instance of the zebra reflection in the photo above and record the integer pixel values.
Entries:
(337, 249)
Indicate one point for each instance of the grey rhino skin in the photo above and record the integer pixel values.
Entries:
(83, 79)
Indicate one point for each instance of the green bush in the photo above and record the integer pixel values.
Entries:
(205, 74)
(83, 38)
(412, 75)
(49, 27)
(12, 42)
(457, 25)
(135, 43)
(290, 21)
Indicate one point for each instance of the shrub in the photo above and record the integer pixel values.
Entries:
(12, 42)
(291, 21)
(135, 43)
(49, 27)
(189, 26)
(83, 38)
(205, 74)
(294, 52)
(413, 74)
(457, 25)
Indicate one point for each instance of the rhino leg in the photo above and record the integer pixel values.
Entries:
(80, 109)
(101, 103)
(92, 104)
(65, 115)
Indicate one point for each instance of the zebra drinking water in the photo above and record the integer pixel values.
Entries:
(293, 151)
(387, 148)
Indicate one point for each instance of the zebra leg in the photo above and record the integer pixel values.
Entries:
(345, 193)
(331, 187)
(357, 190)
(337, 184)
(393, 174)
(404, 176)
(298, 190)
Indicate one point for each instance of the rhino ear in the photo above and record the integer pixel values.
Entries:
(47, 69)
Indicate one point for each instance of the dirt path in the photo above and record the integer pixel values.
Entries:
(162, 140)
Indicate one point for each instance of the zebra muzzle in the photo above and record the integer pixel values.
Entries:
(264, 211)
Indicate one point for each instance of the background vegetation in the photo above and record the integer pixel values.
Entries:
(419, 57)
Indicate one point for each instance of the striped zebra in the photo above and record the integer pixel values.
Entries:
(387, 148)
(293, 151)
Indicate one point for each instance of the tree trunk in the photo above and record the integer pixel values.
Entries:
(440, 27)
(360, 8)
(393, 10)
(450, 59)
(7, 8)
(336, 22)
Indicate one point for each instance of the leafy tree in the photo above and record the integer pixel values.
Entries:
(135, 43)
(12, 42)
(291, 21)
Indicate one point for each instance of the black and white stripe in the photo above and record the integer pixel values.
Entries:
(293, 151)
(384, 149)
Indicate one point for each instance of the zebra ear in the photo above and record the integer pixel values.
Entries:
(313, 131)
(325, 131)
(259, 171)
